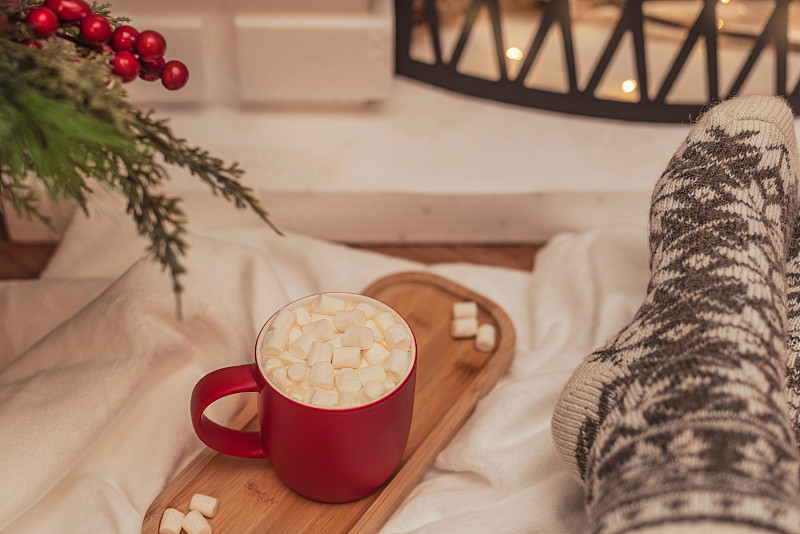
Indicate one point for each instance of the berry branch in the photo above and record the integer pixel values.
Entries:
(66, 124)
(135, 54)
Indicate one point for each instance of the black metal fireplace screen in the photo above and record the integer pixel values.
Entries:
(653, 102)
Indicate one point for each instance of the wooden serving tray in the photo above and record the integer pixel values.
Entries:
(451, 377)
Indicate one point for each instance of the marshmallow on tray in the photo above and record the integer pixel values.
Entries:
(171, 521)
(195, 523)
(467, 308)
(204, 504)
(463, 327)
(485, 338)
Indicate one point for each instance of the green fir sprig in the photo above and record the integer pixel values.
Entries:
(66, 127)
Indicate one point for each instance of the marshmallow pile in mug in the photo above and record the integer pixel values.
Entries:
(336, 352)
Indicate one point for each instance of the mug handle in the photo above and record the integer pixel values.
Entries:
(214, 386)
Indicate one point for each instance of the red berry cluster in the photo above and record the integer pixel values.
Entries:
(135, 54)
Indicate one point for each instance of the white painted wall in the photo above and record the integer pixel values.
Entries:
(301, 94)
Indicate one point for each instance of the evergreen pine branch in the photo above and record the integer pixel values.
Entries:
(66, 124)
(223, 180)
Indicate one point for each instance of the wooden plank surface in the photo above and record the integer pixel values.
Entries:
(27, 260)
(451, 377)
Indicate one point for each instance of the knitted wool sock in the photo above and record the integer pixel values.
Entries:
(793, 360)
(680, 420)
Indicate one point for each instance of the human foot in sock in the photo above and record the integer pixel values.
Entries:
(681, 419)
(793, 359)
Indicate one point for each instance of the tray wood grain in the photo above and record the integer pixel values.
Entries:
(451, 377)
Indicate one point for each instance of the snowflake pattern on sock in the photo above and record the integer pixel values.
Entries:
(682, 415)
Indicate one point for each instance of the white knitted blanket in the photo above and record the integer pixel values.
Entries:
(96, 372)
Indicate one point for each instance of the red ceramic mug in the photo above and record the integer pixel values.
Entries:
(325, 453)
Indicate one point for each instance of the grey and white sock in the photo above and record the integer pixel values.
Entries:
(681, 420)
(793, 359)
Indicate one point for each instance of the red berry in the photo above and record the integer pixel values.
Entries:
(33, 42)
(11, 6)
(125, 65)
(69, 10)
(95, 29)
(43, 21)
(175, 75)
(150, 45)
(124, 37)
(151, 70)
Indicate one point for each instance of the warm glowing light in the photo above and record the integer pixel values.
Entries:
(514, 53)
(629, 86)
(724, 1)
(720, 24)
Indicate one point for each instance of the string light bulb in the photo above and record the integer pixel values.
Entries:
(628, 86)
(514, 53)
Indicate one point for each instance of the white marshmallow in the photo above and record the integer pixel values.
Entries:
(372, 373)
(343, 319)
(322, 317)
(288, 358)
(195, 523)
(377, 353)
(371, 391)
(368, 309)
(171, 521)
(384, 320)
(301, 346)
(321, 375)
(358, 336)
(327, 304)
(346, 357)
(280, 378)
(467, 308)
(390, 383)
(284, 319)
(464, 327)
(347, 380)
(398, 362)
(348, 399)
(376, 330)
(294, 334)
(397, 336)
(274, 342)
(320, 352)
(336, 340)
(297, 372)
(323, 397)
(303, 315)
(321, 329)
(271, 364)
(205, 504)
(486, 337)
